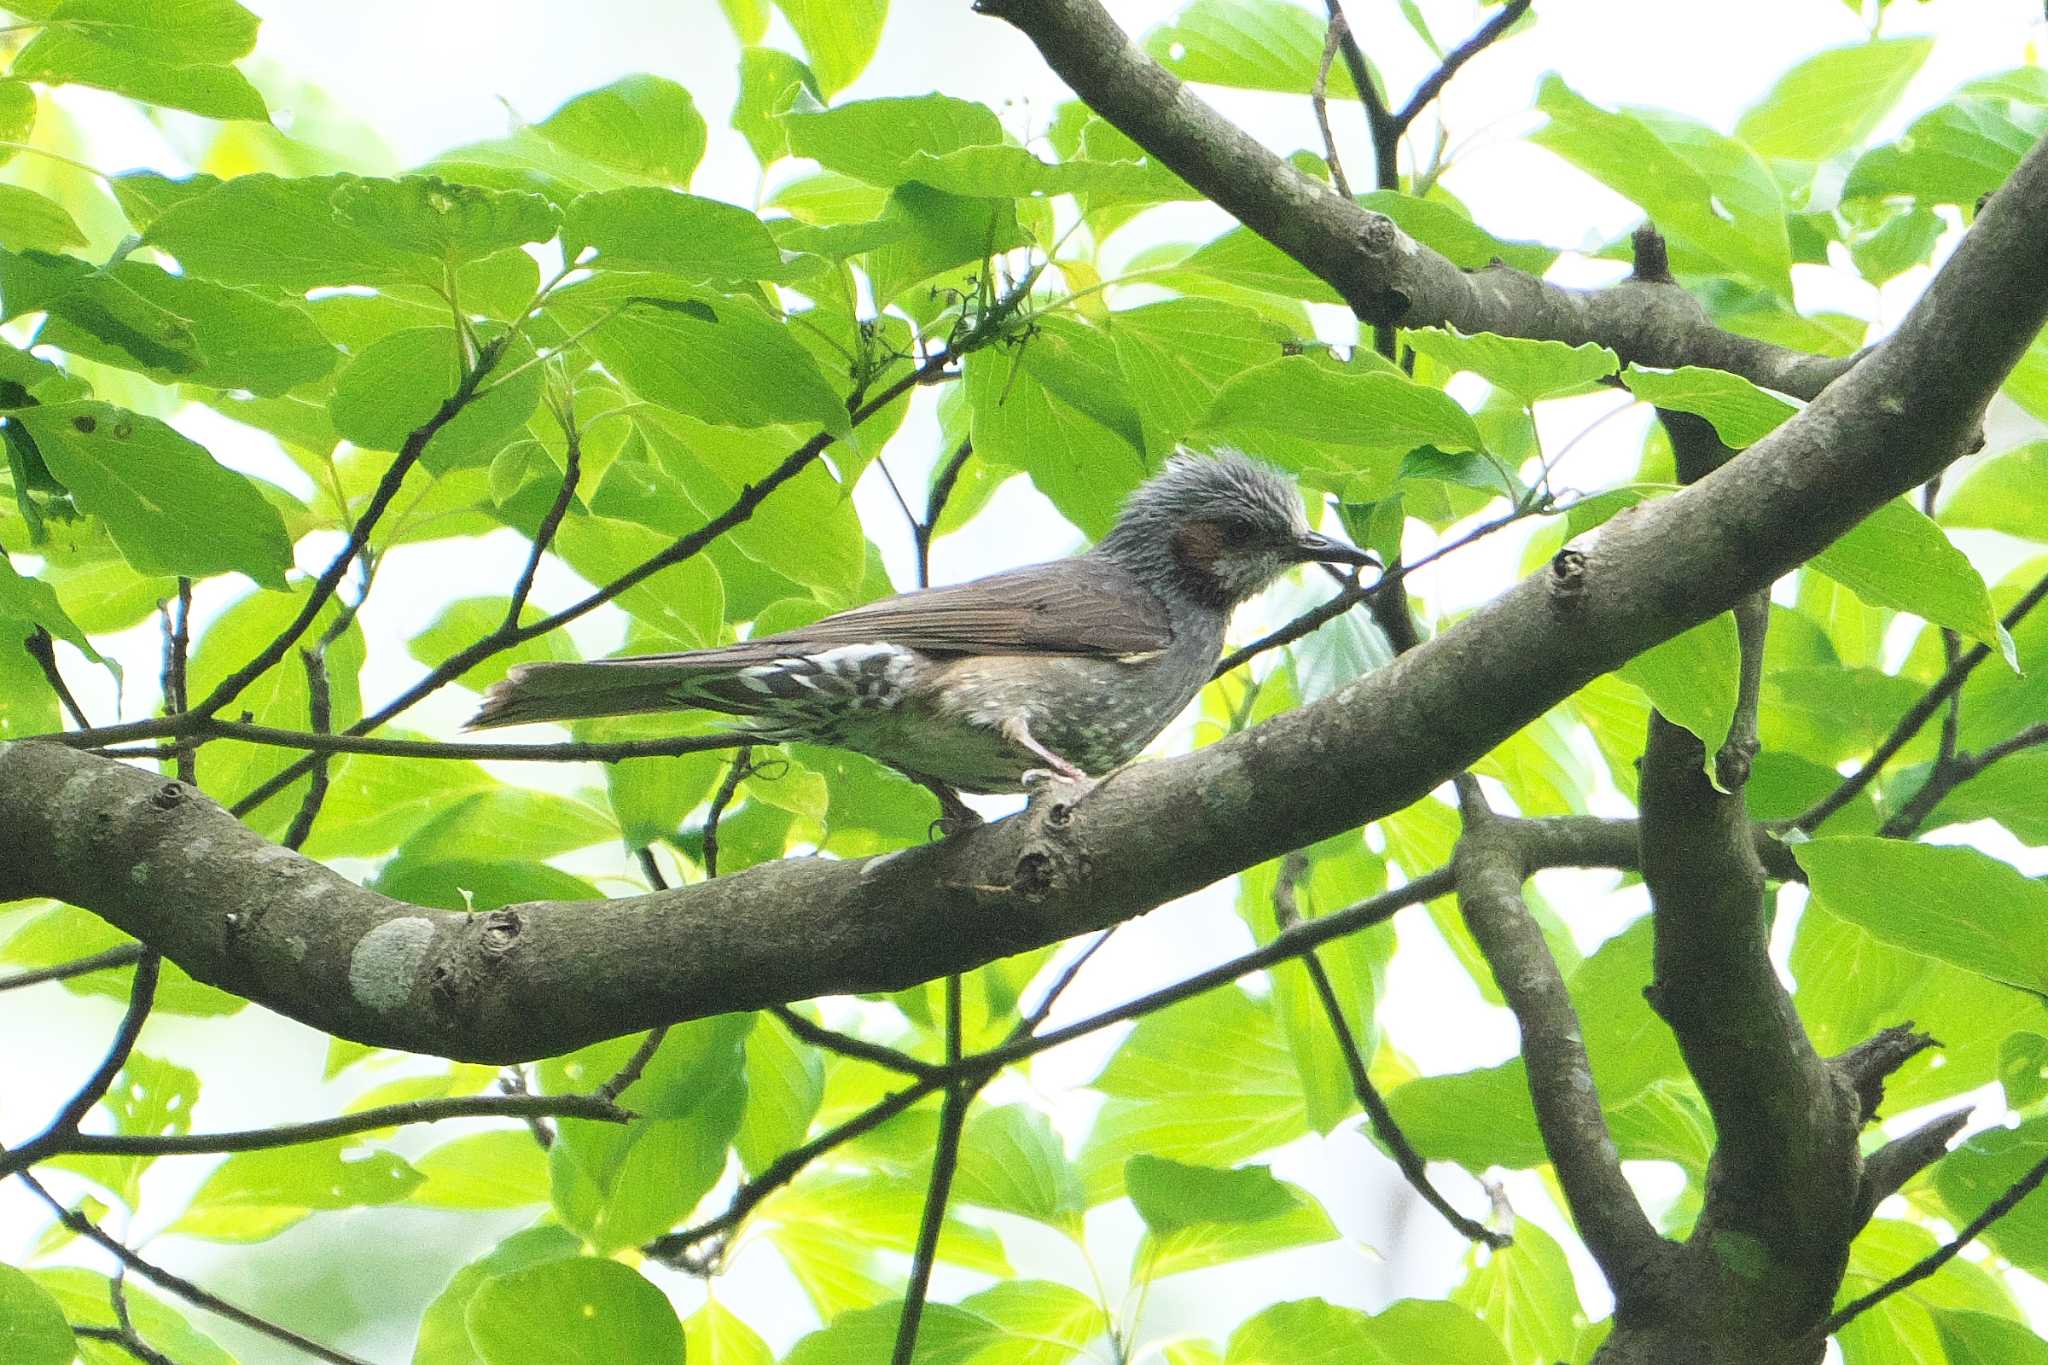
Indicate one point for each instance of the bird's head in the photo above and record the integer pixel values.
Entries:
(1219, 529)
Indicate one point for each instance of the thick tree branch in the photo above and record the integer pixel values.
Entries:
(1617, 1232)
(532, 980)
(1785, 1178)
(1382, 273)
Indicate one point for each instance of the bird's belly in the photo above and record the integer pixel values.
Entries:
(1096, 713)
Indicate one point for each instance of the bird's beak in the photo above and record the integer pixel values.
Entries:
(1310, 548)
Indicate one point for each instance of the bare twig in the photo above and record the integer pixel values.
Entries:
(945, 1161)
(323, 588)
(42, 647)
(127, 955)
(197, 727)
(1910, 724)
(597, 1106)
(1029, 1023)
(319, 715)
(934, 506)
(1942, 1255)
(1287, 914)
(64, 1128)
(1319, 100)
(1951, 772)
(84, 1227)
(544, 534)
(1433, 85)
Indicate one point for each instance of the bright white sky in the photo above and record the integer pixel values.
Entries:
(428, 76)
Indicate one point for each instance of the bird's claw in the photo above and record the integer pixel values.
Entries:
(1044, 784)
(948, 825)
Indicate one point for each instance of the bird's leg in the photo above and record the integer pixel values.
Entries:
(1019, 733)
(955, 815)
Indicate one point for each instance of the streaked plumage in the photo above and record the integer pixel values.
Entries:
(1073, 665)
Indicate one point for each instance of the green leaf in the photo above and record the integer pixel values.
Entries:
(1742, 413)
(1692, 678)
(87, 1301)
(449, 223)
(510, 822)
(1309, 415)
(2008, 493)
(501, 1169)
(27, 219)
(696, 239)
(1447, 228)
(149, 1098)
(644, 127)
(1902, 1329)
(1982, 1170)
(715, 1336)
(1955, 904)
(254, 1195)
(1831, 101)
(588, 1311)
(620, 1185)
(1953, 154)
(1896, 557)
(883, 141)
(171, 327)
(17, 115)
(1248, 45)
(1202, 1216)
(1037, 1322)
(785, 1084)
(749, 18)
(769, 80)
(1525, 1294)
(947, 1334)
(399, 383)
(2012, 791)
(67, 56)
(839, 36)
(34, 603)
(1530, 370)
(1085, 468)
(1983, 1339)
(1704, 191)
(32, 1326)
(444, 1329)
(1210, 1081)
(1903, 242)
(306, 233)
(735, 367)
(168, 505)
(182, 32)
(1177, 355)
(1010, 1159)
(1303, 1332)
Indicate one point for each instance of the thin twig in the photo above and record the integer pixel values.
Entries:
(1287, 914)
(1029, 1023)
(323, 588)
(934, 506)
(64, 1128)
(1950, 773)
(127, 955)
(1434, 83)
(1940, 1256)
(685, 548)
(319, 715)
(598, 1107)
(42, 647)
(177, 674)
(1319, 100)
(544, 534)
(84, 1227)
(1910, 724)
(197, 727)
(945, 1161)
(714, 814)
(847, 1045)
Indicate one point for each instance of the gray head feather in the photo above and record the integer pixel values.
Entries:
(1214, 530)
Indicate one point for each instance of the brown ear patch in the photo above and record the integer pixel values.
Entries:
(1198, 544)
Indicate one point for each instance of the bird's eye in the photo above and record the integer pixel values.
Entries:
(1236, 530)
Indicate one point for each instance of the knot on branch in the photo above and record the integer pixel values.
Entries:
(1865, 1066)
(1653, 260)
(1567, 581)
(169, 796)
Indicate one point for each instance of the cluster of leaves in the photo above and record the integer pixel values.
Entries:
(691, 345)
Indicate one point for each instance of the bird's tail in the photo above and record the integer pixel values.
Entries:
(603, 687)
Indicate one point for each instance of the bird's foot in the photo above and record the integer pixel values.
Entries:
(1063, 788)
(946, 826)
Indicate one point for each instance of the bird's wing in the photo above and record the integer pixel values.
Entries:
(1083, 605)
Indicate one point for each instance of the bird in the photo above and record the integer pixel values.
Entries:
(1065, 669)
